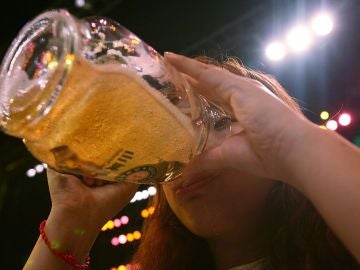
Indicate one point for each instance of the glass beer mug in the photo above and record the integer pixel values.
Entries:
(88, 97)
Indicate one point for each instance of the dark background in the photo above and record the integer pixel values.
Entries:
(324, 78)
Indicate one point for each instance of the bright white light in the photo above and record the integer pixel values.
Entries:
(275, 51)
(152, 191)
(322, 24)
(39, 168)
(138, 196)
(332, 124)
(122, 239)
(145, 194)
(298, 39)
(344, 119)
(80, 3)
(31, 172)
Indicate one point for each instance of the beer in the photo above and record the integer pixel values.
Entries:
(89, 97)
(108, 123)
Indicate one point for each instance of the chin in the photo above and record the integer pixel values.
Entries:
(206, 223)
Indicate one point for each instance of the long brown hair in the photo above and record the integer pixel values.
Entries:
(296, 237)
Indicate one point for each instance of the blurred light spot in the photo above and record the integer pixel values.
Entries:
(322, 126)
(117, 222)
(151, 210)
(345, 119)
(145, 194)
(130, 237)
(80, 3)
(69, 59)
(275, 51)
(324, 115)
(298, 39)
(122, 239)
(115, 241)
(332, 124)
(105, 227)
(31, 172)
(124, 220)
(52, 65)
(110, 225)
(39, 168)
(137, 235)
(322, 24)
(152, 191)
(145, 213)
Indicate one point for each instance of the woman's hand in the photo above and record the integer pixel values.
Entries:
(80, 207)
(93, 199)
(279, 143)
(271, 129)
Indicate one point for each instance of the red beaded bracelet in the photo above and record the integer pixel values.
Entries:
(67, 257)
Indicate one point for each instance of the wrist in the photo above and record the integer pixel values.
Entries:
(67, 257)
(70, 234)
(305, 139)
(318, 156)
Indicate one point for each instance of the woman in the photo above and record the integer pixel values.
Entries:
(241, 204)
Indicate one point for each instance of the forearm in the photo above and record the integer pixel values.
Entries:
(68, 235)
(326, 169)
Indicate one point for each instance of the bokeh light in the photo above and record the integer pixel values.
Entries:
(110, 225)
(298, 39)
(122, 239)
(275, 51)
(332, 125)
(31, 172)
(145, 213)
(322, 24)
(115, 241)
(117, 222)
(137, 235)
(152, 191)
(151, 210)
(324, 115)
(344, 119)
(130, 237)
(144, 194)
(39, 168)
(124, 220)
(80, 3)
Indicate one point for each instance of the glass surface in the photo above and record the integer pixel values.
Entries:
(89, 97)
